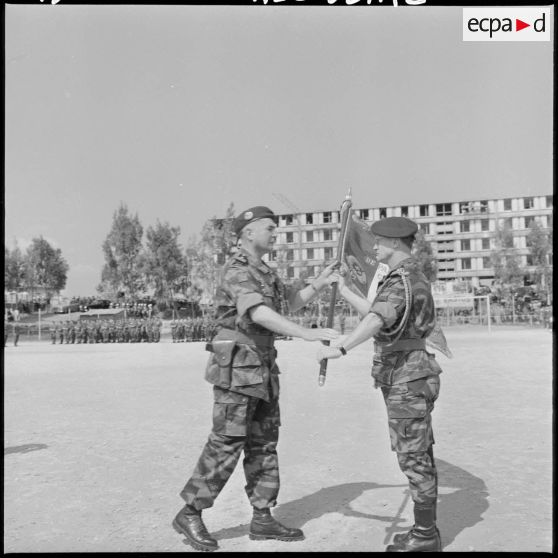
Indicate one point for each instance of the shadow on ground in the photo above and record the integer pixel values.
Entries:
(25, 448)
(467, 503)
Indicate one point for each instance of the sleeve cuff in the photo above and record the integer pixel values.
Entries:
(248, 301)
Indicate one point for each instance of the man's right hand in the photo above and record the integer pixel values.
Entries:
(320, 334)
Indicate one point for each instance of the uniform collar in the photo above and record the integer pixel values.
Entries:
(256, 262)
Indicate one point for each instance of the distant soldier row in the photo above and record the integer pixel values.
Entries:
(192, 329)
(147, 330)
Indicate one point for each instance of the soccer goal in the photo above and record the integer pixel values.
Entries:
(463, 309)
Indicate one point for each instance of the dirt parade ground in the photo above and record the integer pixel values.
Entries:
(100, 439)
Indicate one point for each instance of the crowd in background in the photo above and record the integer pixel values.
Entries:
(146, 330)
(193, 329)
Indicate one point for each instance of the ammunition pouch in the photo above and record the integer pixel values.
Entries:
(237, 367)
(219, 367)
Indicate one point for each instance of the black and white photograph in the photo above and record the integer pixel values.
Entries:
(278, 277)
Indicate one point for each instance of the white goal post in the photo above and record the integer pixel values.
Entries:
(453, 305)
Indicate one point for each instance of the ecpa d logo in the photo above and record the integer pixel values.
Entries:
(506, 24)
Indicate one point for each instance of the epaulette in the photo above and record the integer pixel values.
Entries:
(401, 271)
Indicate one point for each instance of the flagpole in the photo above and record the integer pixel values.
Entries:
(344, 211)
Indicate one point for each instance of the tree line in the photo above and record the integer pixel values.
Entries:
(157, 263)
(40, 267)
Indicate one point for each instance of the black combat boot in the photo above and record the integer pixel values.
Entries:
(265, 526)
(423, 537)
(188, 522)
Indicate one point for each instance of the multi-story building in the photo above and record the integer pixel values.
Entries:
(462, 234)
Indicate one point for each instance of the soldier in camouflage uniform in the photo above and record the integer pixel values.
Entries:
(62, 332)
(400, 318)
(189, 329)
(53, 332)
(250, 300)
(85, 332)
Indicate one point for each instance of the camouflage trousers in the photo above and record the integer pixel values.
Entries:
(409, 409)
(240, 423)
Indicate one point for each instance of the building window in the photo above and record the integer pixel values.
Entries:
(310, 253)
(328, 253)
(530, 259)
(289, 237)
(273, 256)
(405, 210)
(484, 206)
(549, 201)
(507, 223)
(445, 227)
(364, 214)
(445, 247)
(425, 228)
(290, 272)
(309, 218)
(445, 264)
(465, 263)
(528, 203)
(486, 243)
(443, 209)
(290, 255)
(529, 222)
(484, 225)
(465, 226)
(423, 210)
(383, 212)
(288, 219)
(464, 207)
(328, 234)
(465, 245)
(507, 204)
(309, 236)
(327, 216)
(486, 262)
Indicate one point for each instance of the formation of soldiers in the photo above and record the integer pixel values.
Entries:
(146, 330)
(193, 329)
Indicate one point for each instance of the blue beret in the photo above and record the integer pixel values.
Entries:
(253, 214)
(394, 227)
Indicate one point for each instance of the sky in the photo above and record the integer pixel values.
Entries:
(179, 111)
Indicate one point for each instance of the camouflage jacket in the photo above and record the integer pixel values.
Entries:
(390, 302)
(238, 363)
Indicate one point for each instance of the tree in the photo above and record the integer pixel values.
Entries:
(206, 256)
(540, 250)
(164, 263)
(422, 251)
(45, 267)
(14, 268)
(223, 237)
(122, 247)
(508, 275)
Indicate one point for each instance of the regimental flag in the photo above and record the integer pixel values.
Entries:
(366, 272)
(358, 254)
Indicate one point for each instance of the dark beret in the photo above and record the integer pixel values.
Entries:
(253, 214)
(394, 227)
